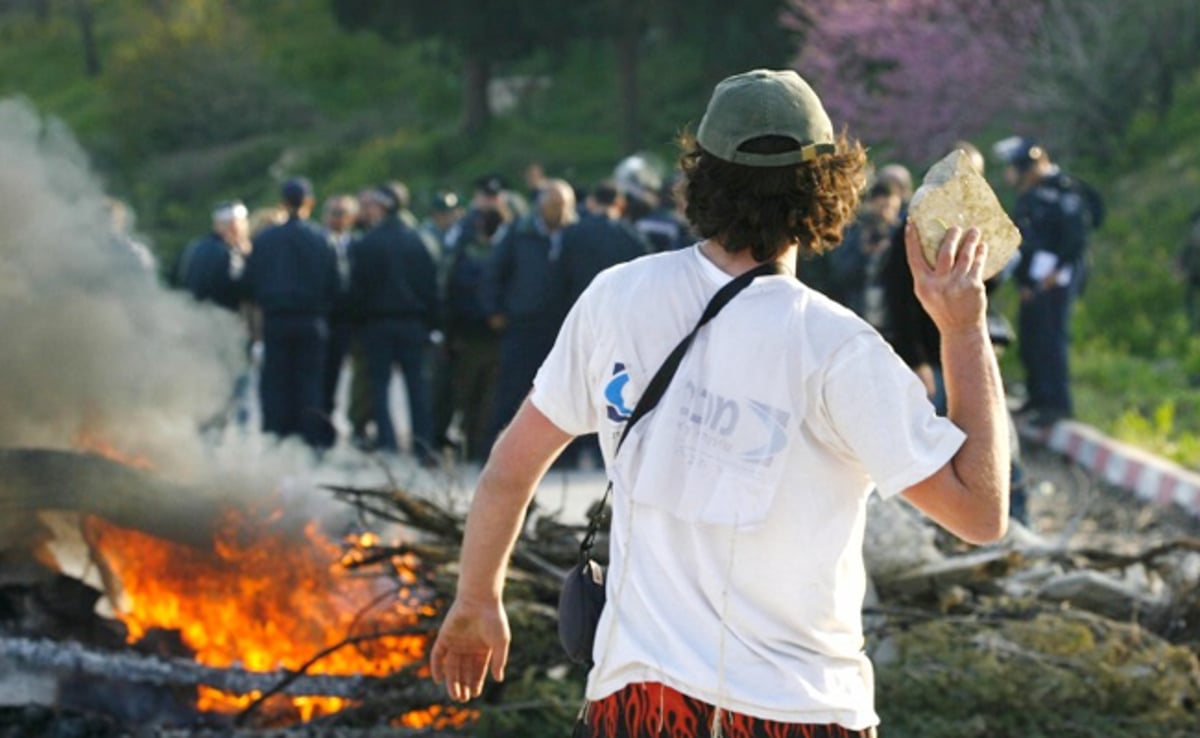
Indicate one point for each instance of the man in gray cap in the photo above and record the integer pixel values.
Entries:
(292, 277)
(736, 581)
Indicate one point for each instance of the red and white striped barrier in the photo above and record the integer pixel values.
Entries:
(1151, 478)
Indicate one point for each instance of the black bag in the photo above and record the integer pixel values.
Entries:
(579, 606)
(583, 594)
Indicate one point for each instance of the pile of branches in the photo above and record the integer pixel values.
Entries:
(961, 611)
(417, 549)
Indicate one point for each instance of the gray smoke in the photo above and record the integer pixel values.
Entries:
(93, 345)
(95, 349)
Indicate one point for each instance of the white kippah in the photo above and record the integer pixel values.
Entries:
(229, 211)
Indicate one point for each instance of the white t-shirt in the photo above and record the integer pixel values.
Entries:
(739, 504)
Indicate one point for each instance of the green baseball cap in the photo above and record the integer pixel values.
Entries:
(765, 102)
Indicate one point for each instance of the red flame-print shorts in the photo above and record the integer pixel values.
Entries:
(652, 710)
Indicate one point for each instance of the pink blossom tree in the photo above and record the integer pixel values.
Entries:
(914, 76)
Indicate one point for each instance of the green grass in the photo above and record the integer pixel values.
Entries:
(1135, 368)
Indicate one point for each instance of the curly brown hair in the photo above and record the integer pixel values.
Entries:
(766, 209)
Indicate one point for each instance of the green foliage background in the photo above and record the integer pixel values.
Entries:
(205, 100)
(1136, 367)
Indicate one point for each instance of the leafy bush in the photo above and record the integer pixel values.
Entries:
(171, 95)
(1096, 65)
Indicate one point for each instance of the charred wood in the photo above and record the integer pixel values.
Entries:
(46, 479)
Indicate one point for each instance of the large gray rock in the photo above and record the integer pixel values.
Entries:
(953, 193)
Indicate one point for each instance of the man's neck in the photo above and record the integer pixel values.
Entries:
(735, 264)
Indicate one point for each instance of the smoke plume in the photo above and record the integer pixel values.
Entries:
(95, 349)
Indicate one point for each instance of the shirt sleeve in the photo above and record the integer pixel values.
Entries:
(562, 389)
(876, 410)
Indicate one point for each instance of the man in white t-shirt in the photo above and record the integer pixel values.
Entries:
(736, 580)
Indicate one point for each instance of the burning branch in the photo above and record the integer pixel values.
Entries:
(302, 673)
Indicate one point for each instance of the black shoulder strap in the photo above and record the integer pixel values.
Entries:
(662, 379)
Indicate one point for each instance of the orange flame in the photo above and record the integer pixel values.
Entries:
(265, 599)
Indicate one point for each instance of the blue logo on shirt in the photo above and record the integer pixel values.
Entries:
(775, 421)
(617, 412)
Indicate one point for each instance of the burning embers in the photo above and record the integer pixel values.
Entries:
(268, 598)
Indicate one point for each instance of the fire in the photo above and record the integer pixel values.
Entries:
(266, 599)
(214, 700)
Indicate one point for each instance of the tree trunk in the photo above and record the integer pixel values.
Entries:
(477, 112)
(627, 71)
(87, 33)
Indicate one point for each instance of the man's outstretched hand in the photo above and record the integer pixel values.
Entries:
(472, 637)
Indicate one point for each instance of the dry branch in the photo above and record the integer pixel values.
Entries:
(540, 561)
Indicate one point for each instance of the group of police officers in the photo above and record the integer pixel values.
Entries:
(465, 305)
(468, 304)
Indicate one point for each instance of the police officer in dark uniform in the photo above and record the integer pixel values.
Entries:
(1055, 213)
(487, 195)
(521, 299)
(472, 347)
(211, 270)
(444, 213)
(338, 217)
(393, 281)
(599, 240)
(292, 276)
(211, 267)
